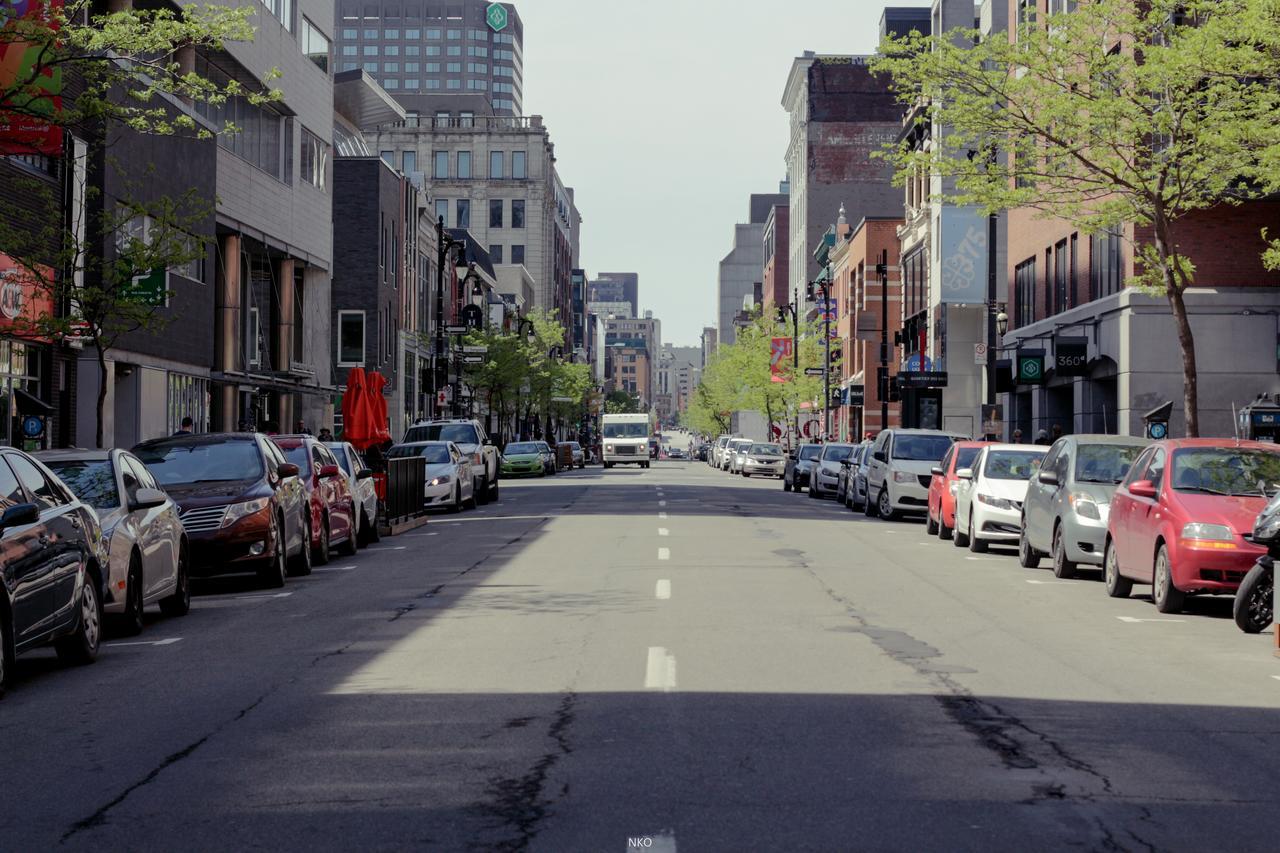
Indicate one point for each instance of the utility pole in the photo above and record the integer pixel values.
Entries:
(826, 352)
(992, 296)
(883, 387)
(440, 376)
(795, 355)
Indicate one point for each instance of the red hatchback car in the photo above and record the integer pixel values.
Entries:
(1179, 519)
(941, 518)
(331, 520)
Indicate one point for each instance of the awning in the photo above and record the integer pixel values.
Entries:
(30, 404)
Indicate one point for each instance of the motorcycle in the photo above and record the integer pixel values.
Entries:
(1254, 608)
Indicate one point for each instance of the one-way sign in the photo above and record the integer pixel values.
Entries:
(813, 371)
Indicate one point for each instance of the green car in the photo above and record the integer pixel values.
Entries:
(523, 458)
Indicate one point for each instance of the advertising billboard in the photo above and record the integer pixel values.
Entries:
(963, 244)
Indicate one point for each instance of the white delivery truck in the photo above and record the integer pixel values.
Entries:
(625, 440)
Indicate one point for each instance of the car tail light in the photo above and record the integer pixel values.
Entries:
(477, 458)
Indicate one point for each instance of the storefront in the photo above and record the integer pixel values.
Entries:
(25, 355)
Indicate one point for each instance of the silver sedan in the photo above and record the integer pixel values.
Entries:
(145, 542)
(763, 459)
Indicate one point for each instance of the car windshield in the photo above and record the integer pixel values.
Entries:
(921, 448)
(965, 457)
(837, 452)
(573, 445)
(766, 449)
(637, 429)
(517, 448)
(435, 454)
(457, 433)
(1105, 463)
(93, 482)
(810, 451)
(1226, 471)
(226, 461)
(1012, 464)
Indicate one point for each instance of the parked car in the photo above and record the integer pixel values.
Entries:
(795, 476)
(579, 458)
(548, 457)
(989, 499)
(1179, 519)
(144, 540)
(940, 518)
(731, 451)
(1069, 500)
(523, 459)
(52, 566)
(331, 520)
(901, 470)
(675, 453)
(763, 459)
(241, 503)
(825, 474)
(717, 449)
(360, 479)
(471, 439)
(450, 481)
(857, 498)
(849, 473)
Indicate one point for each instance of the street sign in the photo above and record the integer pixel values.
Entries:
(475, 349)
(456, 330)
(1071, 356)
(857, 395)
(562, 399)
(814, 371)
(922, 379)
(473, 359)
(1030, 367)
(917, 363)
(980, 354)
(497, 17)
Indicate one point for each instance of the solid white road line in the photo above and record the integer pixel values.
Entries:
(334, 569)
(664, 553)
(663, 590)
(1276, 677)
(662, 531)
(1132, 620)
(660, 670)
(493, 518)
(166, 642)
(1052, 583)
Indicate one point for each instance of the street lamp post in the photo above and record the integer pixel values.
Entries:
(825, 287)
(795, 348)
(444, 248)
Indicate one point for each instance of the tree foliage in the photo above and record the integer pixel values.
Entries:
(1115, 113)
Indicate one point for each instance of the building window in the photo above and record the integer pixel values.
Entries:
(1060, 285)
(442, 210)
(349, 34)
(350, 338)
(442, 165)
(1026, 15)
(482, 52)
(370, 50)
(517, 254)
(391, 34)
(391, 50)
(464, 164)
(371, 34)
(1073, 293)
(433, 33)
(348, 50)
(254, 340)
(1106, 263)
(371, 67)
(411, 68)
(313, 163)
(518, 165)
(495, 254)
(412, 83)
(495, 213)
(433, 68)
(388, 157)
(453, 67)
(453, 34)
(410, 161)
(315, 45)
(412, 50)
(433, 50)
(517, 213)
(478, 85)
(497, 169)
(464, 213)
(391, 67)
(1024, 283)
(477, 68)
(433, 84)
(466, 118)
(349, 66)
(412, 35)
(453, 84)
(453, 50)
(282, 10)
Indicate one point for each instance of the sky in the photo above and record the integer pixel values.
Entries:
(665, 119)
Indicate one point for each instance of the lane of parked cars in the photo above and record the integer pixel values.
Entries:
(1183, 516)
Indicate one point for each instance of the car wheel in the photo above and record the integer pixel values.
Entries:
(960, 540)
(1062, 567)
(1168, 598)
(786, 484)
(1118, 586)
(1253, 611)
(348, 548)
(130, 621)
(179, 602)
(1027, 556)
(944, 532)
(869, 508)
(375, 535)
(321, 556)
(493, 488)
(273, 574)
(81, 646)
(977, 544)
(745, 474)
(930, 525)
(884, 506)
(456, 506)
(6, 655)
(473, 501)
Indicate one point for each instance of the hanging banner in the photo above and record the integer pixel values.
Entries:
(33, 92)
(26, 300)
(780, 353)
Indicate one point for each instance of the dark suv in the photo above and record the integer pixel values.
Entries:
(51, 565)
(242, 504)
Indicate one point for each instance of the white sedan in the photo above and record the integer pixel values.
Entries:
(146, 545)
(450, 478)
(363, 488)
(990, 494)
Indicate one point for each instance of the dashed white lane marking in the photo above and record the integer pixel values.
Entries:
(401, 548)
(662, 503)
(662, 515)
(662, 531)
(663, 590)
(660, 670)
(169, 641)
(335, 569)
(493, 518)
(664, 553)
(1276, 677)
(1133, 620)
(1052, 583)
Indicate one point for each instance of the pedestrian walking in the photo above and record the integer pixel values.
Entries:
(187, 427)
(325, 435)
(1017, 436)
(301, 428)
(1056, 432)
(1042, 437)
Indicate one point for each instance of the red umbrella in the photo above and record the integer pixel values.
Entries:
(379, 431)
(356, 417)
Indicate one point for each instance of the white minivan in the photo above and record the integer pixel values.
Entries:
(901, 469)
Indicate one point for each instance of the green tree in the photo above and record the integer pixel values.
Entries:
(1116, 113)
(621, 403)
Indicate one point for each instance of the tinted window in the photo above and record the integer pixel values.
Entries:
(945, 464)
(1135, 472)
(920, 448)
(460, 433)
(94, 482)
(1155, 471)
(203, 463)
(521, 447)
(810, 451)
(1105, 463)
(836, 452)
(1228, 471)
(1011, 464)
(130, 484)
(298, 456)
(344, 459)
(46, 494)
(965, 457)
(10, 492)
(140, 471)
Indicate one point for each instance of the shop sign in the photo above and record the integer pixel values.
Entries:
(922, 379)
(497, 17)
(1070, 356)
(36, 99)
(857, 395)
(24, 299)
(1030, 367)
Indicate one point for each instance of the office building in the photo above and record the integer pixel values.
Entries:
(612, 289)
(740, 270)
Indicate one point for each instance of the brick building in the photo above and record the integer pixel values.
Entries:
(776, 288)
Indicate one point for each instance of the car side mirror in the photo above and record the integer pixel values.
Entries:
(147, 499)
(937, 471)
(964, 474)
(286, 470)
(880, 456)
(1049, 478)
(1143, 489)
(328, 472)
(17, 516)
(364, 474)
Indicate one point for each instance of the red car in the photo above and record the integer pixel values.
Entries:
(1179, 519)
(331, 520)
(941, 518)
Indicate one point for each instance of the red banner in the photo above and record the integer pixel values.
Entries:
(780, 353)
(36, 91)
(26, 299)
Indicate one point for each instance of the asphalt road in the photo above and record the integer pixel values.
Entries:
(646, 660)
